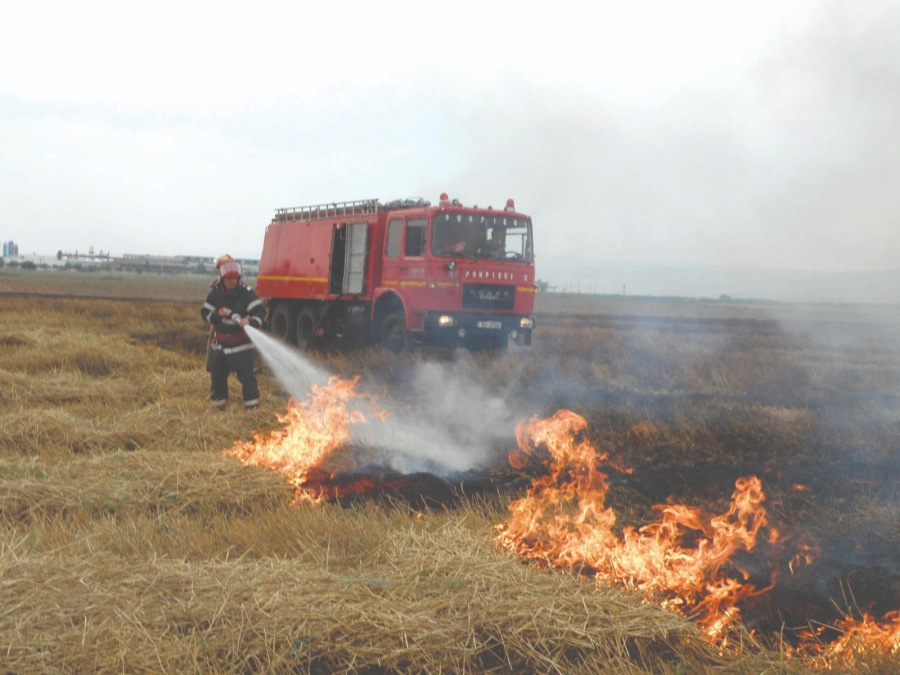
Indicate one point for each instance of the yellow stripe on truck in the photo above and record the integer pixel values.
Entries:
(525, 289)
(394, 282)
(317, 279)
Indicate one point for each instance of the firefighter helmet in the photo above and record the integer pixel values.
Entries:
(222, 259)
(230, 268)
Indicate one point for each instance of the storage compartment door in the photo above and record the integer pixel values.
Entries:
(355, 258)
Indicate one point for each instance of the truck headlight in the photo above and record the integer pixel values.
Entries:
(526, 322)
(445, 320)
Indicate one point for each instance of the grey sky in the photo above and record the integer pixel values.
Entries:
(759, 134)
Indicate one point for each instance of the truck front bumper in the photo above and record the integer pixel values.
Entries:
(466, 328)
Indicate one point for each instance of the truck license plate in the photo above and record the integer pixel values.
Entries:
(493, 325)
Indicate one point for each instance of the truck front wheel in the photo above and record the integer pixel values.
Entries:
(394, 336)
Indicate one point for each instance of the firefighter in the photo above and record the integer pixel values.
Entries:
(230, 306)
(494, 247)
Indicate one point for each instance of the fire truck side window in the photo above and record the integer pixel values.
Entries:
(415, 239)
(395, 230)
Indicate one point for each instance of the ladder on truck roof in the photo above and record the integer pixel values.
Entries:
(360, 207)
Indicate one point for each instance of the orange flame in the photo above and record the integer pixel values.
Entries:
(806, 555)
(866, 635)
(857, 638)
(684, 560)
(312, 434)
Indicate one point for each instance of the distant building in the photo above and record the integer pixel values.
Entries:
(163, 263)
(82, 260)
(39, 260)
(186, 264)
(176, 263)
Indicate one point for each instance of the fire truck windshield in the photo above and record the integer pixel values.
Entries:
(474, 235)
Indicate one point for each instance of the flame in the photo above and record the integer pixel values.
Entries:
(866, 635)
(312, 434)
(684, 560)
(857, 638)
(807, 553)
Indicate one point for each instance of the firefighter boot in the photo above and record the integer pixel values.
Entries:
(249, 388)
(218, 385)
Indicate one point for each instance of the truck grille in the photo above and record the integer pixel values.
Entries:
(488, 296)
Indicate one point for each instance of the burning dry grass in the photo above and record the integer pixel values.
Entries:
(129, 543)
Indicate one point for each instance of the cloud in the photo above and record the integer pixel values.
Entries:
(789, 163)
(693, 134)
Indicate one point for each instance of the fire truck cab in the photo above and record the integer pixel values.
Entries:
(402, 273)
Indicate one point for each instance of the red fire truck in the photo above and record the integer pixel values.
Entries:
(402, 273)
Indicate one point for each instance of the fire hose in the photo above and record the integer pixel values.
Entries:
(209, 340)
(209, 349)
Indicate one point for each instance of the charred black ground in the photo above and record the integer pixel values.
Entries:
(847, 574)
(808, 401)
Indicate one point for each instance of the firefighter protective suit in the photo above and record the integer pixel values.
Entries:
(231, 350)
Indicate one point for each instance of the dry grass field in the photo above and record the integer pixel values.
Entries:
(129, 543)
(103, 284)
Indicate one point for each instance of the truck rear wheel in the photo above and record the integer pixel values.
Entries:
(306, 326)
(282, 323)
(394, 336)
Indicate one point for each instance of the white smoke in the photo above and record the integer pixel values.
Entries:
(453, 427)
